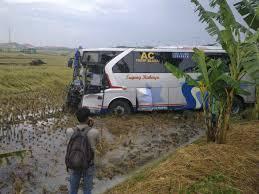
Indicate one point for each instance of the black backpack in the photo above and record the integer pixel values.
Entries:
(79, 154)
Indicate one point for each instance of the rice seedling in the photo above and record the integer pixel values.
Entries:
(29, 94)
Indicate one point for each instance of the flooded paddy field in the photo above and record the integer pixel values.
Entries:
(126, 143)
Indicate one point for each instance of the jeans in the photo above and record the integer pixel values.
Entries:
(75, 178)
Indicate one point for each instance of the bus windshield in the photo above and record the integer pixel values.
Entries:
(90, 57)
(94, 63)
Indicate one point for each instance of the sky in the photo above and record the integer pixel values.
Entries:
(102, 23)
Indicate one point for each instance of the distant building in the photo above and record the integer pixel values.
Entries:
(16, 47)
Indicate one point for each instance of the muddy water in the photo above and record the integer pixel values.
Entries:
(44, 171)
(44, 168)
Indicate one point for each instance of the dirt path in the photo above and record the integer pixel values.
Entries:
(127, 143)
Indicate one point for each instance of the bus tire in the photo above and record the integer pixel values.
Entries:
(237, 105)
(120, 107)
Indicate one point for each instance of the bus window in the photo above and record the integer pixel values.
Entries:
(148, 62)
(183, 61)
(106, 57)
(125, 65)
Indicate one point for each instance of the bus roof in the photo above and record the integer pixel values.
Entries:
(162, 49)
(103, 49)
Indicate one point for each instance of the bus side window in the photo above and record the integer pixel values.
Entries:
(125, 65)
(148, 62)
(184, 62)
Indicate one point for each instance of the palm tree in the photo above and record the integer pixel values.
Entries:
(243, 54)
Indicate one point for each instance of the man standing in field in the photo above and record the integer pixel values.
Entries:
(81, 151)
(77, 63)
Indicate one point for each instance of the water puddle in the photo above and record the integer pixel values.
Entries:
(44, 170)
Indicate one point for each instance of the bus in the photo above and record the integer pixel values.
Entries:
(126, 80)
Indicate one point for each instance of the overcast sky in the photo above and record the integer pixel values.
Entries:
(101, 23)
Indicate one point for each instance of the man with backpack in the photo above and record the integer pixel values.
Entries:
(80, 153)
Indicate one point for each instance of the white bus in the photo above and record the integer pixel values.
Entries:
(124, 80)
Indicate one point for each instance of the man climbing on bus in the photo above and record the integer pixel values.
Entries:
(77, 63)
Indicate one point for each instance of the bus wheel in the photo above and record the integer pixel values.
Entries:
(120, 107)
(237, 106)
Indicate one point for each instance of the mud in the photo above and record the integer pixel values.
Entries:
(126, 144)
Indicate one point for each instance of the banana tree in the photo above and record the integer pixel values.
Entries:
(212, 83)
(249, 10)
(204, 84)
(229, 32)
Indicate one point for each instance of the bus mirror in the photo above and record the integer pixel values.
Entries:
(88, 58)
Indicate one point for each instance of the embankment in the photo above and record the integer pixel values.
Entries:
(204, 168)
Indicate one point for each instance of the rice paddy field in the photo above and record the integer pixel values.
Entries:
(27, 89)
(140, 153)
